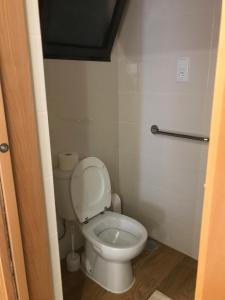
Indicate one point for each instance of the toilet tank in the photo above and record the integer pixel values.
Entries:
(62, 194)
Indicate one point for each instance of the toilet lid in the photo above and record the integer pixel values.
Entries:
(90, 188)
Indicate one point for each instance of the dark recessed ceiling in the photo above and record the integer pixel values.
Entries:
(80, 29)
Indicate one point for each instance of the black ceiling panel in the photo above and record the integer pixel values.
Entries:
(80, 29)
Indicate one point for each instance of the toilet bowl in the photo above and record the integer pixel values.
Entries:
(112, 240)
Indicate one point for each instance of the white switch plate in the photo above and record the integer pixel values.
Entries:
(183, 64)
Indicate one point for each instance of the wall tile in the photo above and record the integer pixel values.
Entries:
(177, 7)
(129, 107)
(170, 33)
(174, 111)
(158, 73)
(128, 76)
(129, 44)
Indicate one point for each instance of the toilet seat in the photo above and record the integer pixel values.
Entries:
(115, 236)
(90, 188)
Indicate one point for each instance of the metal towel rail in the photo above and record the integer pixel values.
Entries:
(155, 130)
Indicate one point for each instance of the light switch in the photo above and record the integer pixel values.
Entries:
(183, 64)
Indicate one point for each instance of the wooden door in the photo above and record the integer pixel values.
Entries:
(211, 270)
(8, 289)
(12, 268)
(7, 283)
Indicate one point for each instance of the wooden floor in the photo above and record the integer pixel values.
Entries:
(164, 269)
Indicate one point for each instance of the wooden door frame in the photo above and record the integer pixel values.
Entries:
(211, 267)
(20, 114)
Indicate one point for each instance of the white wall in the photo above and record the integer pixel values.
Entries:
(106, 110)
(83, 109)
(34, 38)
(161, 178)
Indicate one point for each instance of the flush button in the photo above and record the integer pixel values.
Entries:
(4, 148)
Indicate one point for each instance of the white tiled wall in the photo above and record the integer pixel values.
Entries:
(161, 178)
(83, 109)
(43, 131)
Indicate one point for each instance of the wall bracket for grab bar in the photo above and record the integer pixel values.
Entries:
(155, 130)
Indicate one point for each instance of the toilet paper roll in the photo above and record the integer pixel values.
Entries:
(116, 203)
(68, 160)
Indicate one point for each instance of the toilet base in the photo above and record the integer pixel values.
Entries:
(116, 277)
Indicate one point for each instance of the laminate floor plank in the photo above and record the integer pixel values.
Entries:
(180, 284)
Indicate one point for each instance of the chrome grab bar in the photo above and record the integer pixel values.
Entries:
(155, 130)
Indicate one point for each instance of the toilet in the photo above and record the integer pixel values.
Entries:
(112, 240)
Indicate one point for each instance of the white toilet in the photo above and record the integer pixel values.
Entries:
(111, 239)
